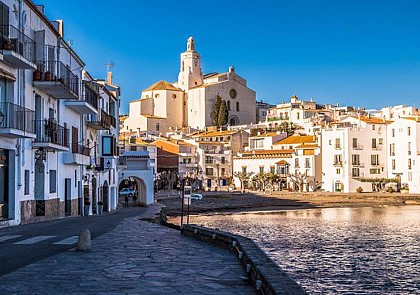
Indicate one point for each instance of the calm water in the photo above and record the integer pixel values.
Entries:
(337, 250)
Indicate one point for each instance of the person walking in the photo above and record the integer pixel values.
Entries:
(126, 200)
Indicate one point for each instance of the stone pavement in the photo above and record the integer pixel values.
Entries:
(137, 257)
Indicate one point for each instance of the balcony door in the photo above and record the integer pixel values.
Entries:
(39, 180)
(74, 138)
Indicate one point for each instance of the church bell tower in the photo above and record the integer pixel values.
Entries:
(190, 74)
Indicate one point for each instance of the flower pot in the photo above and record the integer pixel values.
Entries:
(37, 76)
(48, 76)
(7, 46)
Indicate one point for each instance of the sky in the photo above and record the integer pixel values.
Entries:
(360, 53)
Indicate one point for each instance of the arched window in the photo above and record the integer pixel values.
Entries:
(228, 105)
(281, 116)
(237, 106)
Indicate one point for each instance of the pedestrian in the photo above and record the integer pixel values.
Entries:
(126, 200)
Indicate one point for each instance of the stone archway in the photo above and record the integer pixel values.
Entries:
(139, 185)
(233, 121)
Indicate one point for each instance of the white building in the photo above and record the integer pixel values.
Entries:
(352, 150)
(168, 106)
(43, 95)
(404, 152)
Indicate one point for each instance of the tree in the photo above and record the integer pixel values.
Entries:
(299, 179)
(215, 111)
(243, 176)
(223, 114)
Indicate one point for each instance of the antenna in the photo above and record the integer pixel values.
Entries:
(109, 65)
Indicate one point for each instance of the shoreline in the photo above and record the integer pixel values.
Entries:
(228, 203)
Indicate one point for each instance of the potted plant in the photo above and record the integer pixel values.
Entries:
(86, 208)
(37, 75)
(7, 45)
(48, 76)
(100, 207)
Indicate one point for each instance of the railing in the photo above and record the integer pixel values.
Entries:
(80, 149)
(15, 40)
(108, 120)
(50, 132)
(337, 147)
(58, 72)
(358, 147)
(90, 95)
(338, 164)
(16, 117)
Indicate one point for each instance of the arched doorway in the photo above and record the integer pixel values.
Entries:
(105, 196)
(233, 120)
(138, 185)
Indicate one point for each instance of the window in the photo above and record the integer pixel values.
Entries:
(337, 144)
(237, 106)
(355, 143)
(392, 149)
(27, 182)
(393, 164)
(209, 160)
(157, 127)
(223, 160)
(409, 148)
(307, 163)
(374, 160)
(355, 172)
(108, 146)
(296, 162)
(409, 164)
(258, 143)
(272, 169)
(338, 171)
(355, 159)
(53, 181)
(233, 93)
(375, 171)
(261, 169)
(228, 105)
(243, 169)
(223, 171)
(209, 171)
(393, 132)
(409, 130)
(374, 146)
(381, 141)
(337, 160)
(373, 127)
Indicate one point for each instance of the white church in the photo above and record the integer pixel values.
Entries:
(168, 106)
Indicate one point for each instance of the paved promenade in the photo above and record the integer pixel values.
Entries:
(137, 257)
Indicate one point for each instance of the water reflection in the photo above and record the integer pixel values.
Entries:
(338, 250)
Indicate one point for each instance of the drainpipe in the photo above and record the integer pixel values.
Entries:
(21, 102)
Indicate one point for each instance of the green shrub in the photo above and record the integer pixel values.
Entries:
(359, 190)
(390, 189)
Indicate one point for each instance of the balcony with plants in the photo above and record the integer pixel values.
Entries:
(101, 121)
(18, 49)
(57, 80)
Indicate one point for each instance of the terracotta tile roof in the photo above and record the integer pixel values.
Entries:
(372, 120)
(307, 146)
(162, 85)
(216, 133)
(269, 134)
(415, 119)
(266, 154)
(297, 139)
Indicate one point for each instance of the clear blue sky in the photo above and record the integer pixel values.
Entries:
(360, 52)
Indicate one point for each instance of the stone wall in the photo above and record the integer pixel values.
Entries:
(263, 273)
(53, 209)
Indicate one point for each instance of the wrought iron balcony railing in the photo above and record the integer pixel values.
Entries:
(80, 149)
(56, 71)
(48, 131)
(13, 39)
(16, 117)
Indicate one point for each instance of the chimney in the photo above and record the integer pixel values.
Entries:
(41, 8)
(109, 78)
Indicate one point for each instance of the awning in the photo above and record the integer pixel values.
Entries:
(7, 75)
(282, 162)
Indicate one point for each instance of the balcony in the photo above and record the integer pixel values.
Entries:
(377, 148)
(358, 164)
(188, 165)
(358, 147)
(79, 155)
(16, 121)
(102, 122)
(51, 136)
(88, 101)
(18, 49)
(338, 164)
(187, 154)
(57, 80)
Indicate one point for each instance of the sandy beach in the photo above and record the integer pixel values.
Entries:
(219, 202)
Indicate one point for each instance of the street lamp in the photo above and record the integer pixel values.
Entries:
(108, 164)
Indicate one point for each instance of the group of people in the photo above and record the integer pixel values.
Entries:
(126, 198)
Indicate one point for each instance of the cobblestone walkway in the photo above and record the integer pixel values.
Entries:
(135, 258)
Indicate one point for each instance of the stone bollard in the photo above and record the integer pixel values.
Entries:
(84, 242)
